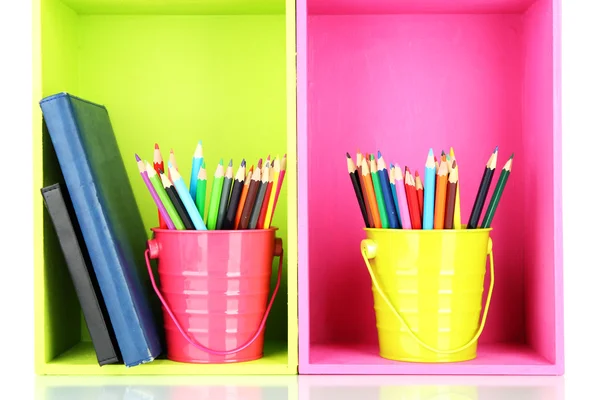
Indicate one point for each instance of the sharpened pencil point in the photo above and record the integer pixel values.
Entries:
(348, 155)
(416, 174)
(230, 163)
(243, 162)
(496, 149)
(156, 146)
(443, 154)
(221, 161)
(391, 166)
(430, 152)
(512, 155)
(137, 158)
(378, 154)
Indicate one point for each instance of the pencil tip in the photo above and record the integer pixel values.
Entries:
(156, 146)
(137, 158)
(243, 162)
(496, 149)
(443, 154)
(378, 154)
(200, 142)
(230, 163)
(417, 173)
(221, 161)
(348, 155)
(512, 155)
(391, 166)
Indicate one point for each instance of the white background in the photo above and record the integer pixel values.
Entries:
(581, 141)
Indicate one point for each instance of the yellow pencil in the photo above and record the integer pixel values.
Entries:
(457, 223)
(276, 172)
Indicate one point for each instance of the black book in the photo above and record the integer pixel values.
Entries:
(59, 207)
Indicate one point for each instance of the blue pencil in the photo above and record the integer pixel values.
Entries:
(196, 164)
(429, 191)
(386, 189)
(186, 199)
(393, 187)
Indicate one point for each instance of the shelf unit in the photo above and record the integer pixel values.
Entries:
(401, 77)
(172, 72)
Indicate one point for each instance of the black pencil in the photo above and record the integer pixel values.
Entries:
(176, 200)
(236, 194)
(250, 199)
(484, 187)
(260, 197)
(225, 195)
(353, 171)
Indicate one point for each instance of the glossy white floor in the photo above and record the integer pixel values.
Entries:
(581, 85)
(303, 388)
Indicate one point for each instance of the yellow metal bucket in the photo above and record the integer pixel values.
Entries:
(427, 289)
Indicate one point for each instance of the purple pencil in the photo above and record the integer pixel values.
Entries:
(402, 200)
(159, 204)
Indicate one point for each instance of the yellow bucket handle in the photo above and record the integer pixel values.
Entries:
(368, 249)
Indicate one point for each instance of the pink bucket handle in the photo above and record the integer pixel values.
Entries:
(278, 252)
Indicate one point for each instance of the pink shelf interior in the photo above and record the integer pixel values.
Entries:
(404, 76)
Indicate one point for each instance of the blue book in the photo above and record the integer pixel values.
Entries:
(111, 224)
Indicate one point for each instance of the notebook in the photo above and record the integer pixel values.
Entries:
(88, 154)
(60, 209)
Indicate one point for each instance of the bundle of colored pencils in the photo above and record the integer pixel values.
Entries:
(246, 200)
(396, 199)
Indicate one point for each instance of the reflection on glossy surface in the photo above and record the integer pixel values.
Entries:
(167, 388)
(301, 388)
(431, 388)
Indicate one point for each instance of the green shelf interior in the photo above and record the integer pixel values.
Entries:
(170, 72)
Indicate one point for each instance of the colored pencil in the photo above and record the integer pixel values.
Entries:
(177, 203)
(353, 172)
(363, 189)
(244, 195)
(412, 200)
(403, 201)
(250, 199)
(429, 191)
(370, 190)
(271, 202)
(201, 190)
(451, 197)
(379, 194)
(215, 197)
(457, 218)
(440, 196)
(419, 188)
(386, 191)
(164, 197)
(493, 205)
(484, 187)
(196, 164)
(225, 192)
(155, 197)
(173, 162)
(265, 204)
(159, 166)
(283, 167)
(392, 174)
(236, 194)
(260, 195)
(186, 199)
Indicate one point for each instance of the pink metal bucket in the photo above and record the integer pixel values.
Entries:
(214, 291)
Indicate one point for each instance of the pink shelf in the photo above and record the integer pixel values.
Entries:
(493, 359)
(471, 74)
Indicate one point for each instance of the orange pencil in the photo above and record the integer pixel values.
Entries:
(359, 158)
(238, 214)
(441, 184)
(419, 188)
(366, 177)
(413, 201)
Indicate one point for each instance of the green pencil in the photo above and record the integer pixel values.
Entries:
(164, 197)
(379, 194)
(215, 197)
(225, 195)
(201, 191)
(491, 210)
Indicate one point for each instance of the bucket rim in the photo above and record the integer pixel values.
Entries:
(213, 232)
(430, 231)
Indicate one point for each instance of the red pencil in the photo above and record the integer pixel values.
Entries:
(413, 201)
(419, 187)
(159, 166)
